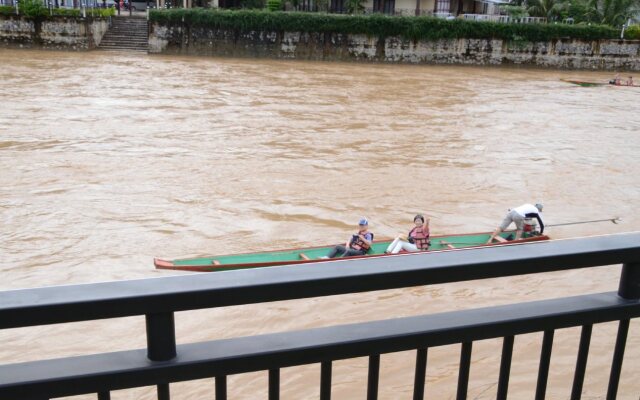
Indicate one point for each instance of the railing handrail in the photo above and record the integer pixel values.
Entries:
(59, 304)
(77, 375)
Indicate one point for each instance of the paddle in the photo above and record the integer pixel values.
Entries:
(615, 220)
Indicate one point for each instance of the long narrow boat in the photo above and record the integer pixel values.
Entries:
(312, 254)
(591, 84)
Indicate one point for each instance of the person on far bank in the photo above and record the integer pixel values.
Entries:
(517, 215)
(416, 240)
(358, 245)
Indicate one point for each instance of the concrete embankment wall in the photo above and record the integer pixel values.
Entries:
(53, 33)
(560, 53)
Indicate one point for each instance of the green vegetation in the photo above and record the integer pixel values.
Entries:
(377, 25)
(607, 12)
(32, 8)
(101, 12)
(515, 11)
(40, 11)
(274, 5)
(355, 6)
(7, 10)
(632, 32)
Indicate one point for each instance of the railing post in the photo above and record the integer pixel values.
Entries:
(221, 387)
(463, 374)
(505, 367)
(161, 343)
(630, 281)
(325, 380)
(374, 377)
(274, 384)
(161, 337)
(616, 363)
(420, 375)
(543, 369)
(581, 362)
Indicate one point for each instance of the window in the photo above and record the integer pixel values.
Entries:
(442, 6)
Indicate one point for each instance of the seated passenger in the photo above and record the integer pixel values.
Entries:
(416, 240)
(358, 245)
(616, 80)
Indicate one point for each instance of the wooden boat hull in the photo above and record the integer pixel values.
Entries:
(592, 84)
(312, 254)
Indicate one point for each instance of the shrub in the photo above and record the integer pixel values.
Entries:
(415, 28)
(7, 10)
(102, 12)
(515, 11)
(274, 5)
(32, 8)
(67, 12)
(632, 32)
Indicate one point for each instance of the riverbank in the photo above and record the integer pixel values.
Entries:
(52, 33)
(326, 37)
(558, 53)
(378, 38)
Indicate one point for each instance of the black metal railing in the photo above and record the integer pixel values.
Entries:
(163, 362)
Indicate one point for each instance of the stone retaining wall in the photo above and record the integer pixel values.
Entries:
(53, 33)
(561, 53)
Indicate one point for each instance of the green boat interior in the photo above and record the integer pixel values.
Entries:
(300, 255)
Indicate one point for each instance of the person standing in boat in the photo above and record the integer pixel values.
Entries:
(358, 245)
(518, 215)
(416, 240)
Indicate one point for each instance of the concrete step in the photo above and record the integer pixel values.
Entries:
(126, 38)
(129, 24)
(128, 29)
(126, 34)
(122, 48)
(112, 44)
(128, 43)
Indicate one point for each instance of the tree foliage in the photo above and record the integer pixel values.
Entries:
(32, 8)
(607, 12)
(355, 6)
(549, 9)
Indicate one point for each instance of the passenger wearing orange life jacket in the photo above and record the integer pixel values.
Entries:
(358, 245)
(416, 240)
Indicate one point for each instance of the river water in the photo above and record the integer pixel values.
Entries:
(110, 159)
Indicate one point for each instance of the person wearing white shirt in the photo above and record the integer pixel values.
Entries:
(518, 215)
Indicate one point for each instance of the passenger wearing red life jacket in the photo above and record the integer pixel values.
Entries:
(416, 240)
(358, 245)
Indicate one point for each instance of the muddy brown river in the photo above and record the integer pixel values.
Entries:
(110, 159)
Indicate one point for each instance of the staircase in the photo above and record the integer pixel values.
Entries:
(126, 34)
